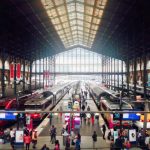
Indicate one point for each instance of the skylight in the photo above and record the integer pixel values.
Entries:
(76, 21)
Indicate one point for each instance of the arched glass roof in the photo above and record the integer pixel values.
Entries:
(76, 21)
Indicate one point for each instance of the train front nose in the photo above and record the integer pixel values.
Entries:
(36, 117)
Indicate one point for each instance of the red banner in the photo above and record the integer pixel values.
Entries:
(11, 70)
(18, 71)
(46, 74)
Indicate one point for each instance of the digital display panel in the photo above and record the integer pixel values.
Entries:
(130, 116)
(7, 116)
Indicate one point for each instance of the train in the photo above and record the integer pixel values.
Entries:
(14, 104)
(109, 100)
(46, 101)
(139, 89)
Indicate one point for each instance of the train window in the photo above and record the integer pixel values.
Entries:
(104, 107)
(46, 94)
(33, 106)
(2, 107)
(47, 104)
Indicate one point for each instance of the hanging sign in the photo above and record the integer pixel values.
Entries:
(132, 135)
(11, 71)
(18, 71)
(19, 136)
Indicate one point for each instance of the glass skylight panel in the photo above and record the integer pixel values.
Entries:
(76, 21)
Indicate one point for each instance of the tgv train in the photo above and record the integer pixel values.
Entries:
(46, 101)
(139, 89)
(13, 104)
(108, 100)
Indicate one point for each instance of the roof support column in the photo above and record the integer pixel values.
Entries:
(15, 84)
(39, 72)
(114, 74)
(54, 69)
(23, 74)
(30, 85)
(46, 72)
(3, 77)
(134, 77)
(127, 76)
(107, 70)
(43, 73)
(122, 74)
(111, 73)
(145, 75)
(102, 69)
(118, 74)
(35, 74)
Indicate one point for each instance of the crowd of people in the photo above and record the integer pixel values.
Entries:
(28, 137)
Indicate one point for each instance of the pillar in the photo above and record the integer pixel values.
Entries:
(30, 86)
(134, 77)
(15, 79)
(24, 74)
(3, 77)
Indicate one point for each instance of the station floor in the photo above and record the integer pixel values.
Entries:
(86, 131)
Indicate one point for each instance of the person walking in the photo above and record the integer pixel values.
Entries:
(45, 147)
(12, 138)
(83, 107)
(104, 130)
(53, 134)
(34, 138)
(94, 137)
(57, 146)
(88, 108)
(67, 143)
(27, 141)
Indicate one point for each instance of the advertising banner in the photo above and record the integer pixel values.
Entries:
(19, 136)
(11, 71)
(115, 135)
(132, 135)
(18, 71)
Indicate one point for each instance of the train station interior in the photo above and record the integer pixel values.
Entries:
(74, 74)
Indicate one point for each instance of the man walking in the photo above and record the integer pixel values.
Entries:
(104, 130)
(53, 134)
(94, 137)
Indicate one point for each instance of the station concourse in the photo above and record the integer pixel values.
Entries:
(74, 72)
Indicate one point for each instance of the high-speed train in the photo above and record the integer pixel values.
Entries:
(14, 104)
(139, 89)
(108, 100)
(46, 101)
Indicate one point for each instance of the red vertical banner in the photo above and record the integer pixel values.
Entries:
(18, 71)
(11, 71)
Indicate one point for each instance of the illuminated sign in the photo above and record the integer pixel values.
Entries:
(7, 116)
(130, 116)
(117, 116)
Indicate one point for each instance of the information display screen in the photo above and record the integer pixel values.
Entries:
(7, 116)
(130, 116)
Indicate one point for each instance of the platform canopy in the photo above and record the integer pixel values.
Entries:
(32, 29)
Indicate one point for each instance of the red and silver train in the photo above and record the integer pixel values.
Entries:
(46, 101)
(108, 100)
(13, 104)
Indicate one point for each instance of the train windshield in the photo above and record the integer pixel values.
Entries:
(2, 107)
(33, 107)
